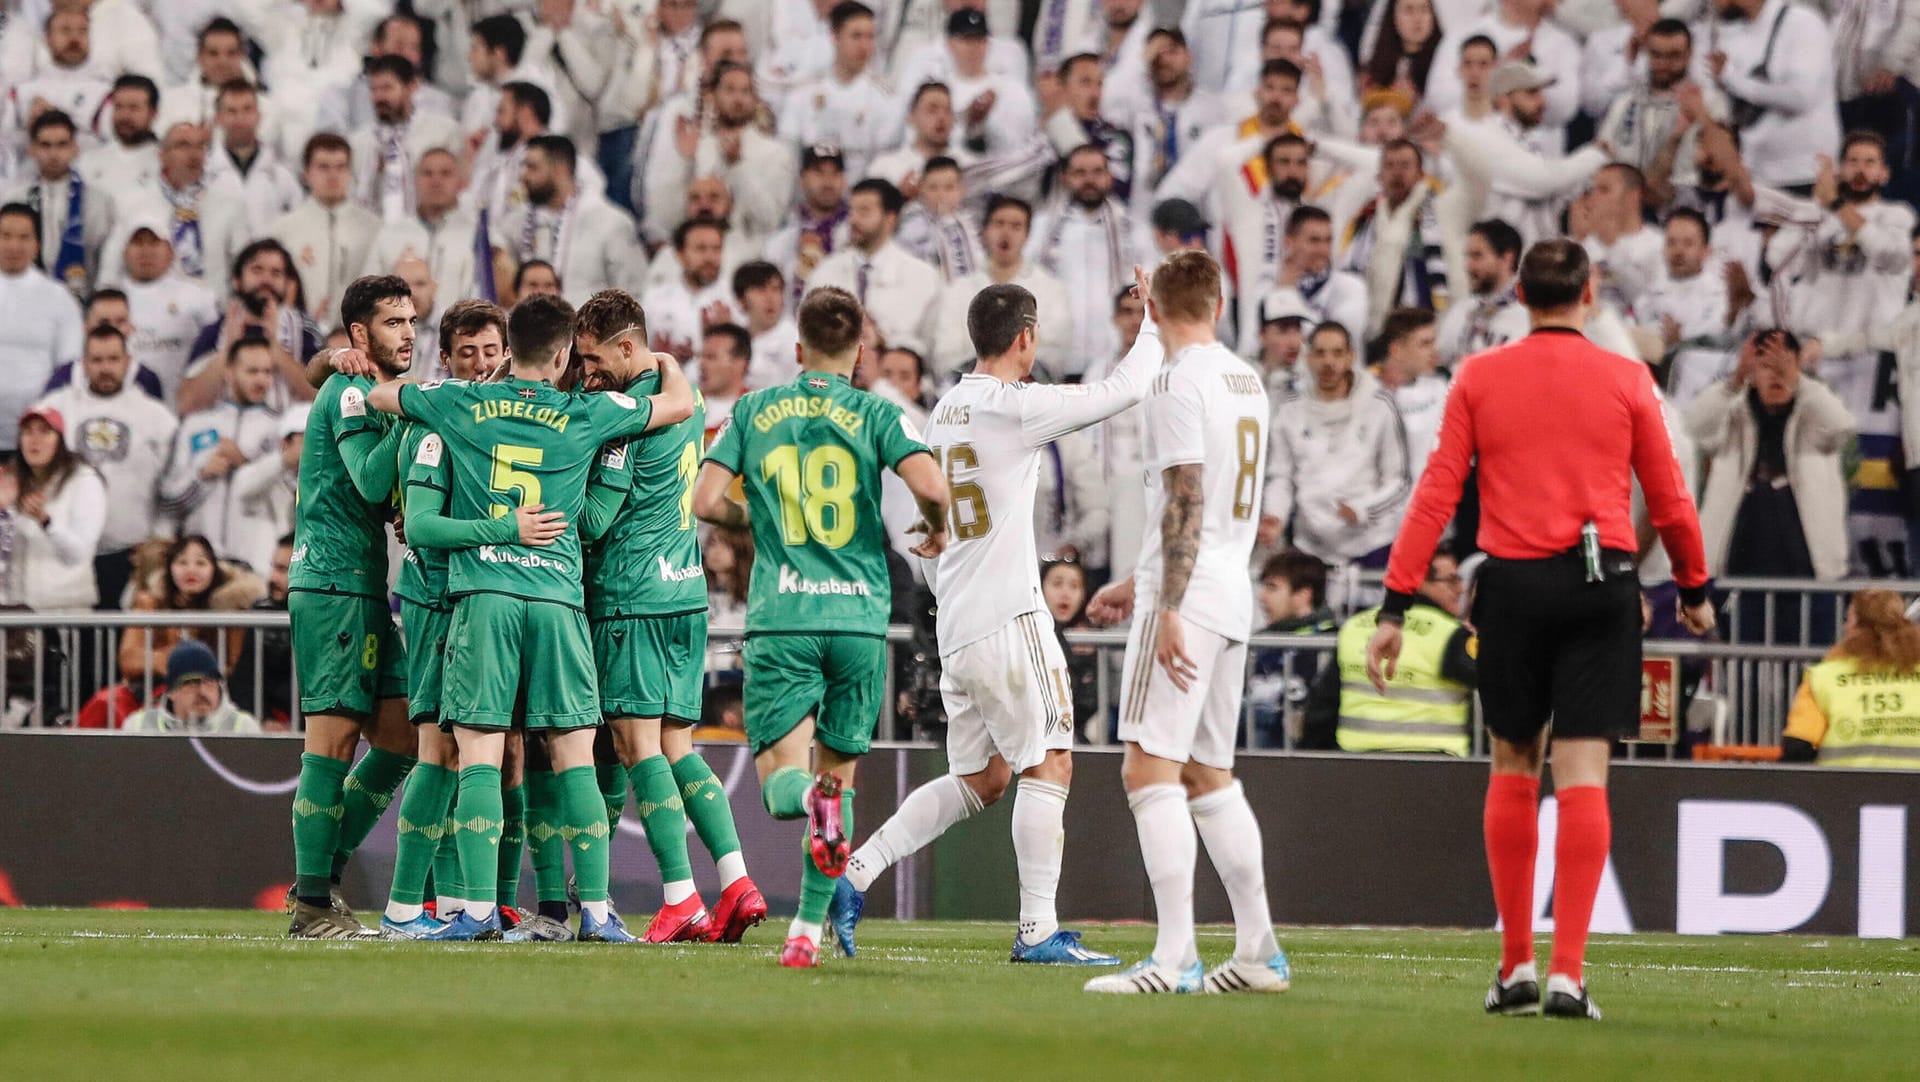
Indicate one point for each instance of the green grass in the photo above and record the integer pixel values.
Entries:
(159, 995)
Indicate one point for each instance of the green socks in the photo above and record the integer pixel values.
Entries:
(657, 798)
(613, 789)
(447, 882)
(365, 794)
(585, 829)
(423, 822)
(479, 814)
(785, 792)
(544, 844)
(706, 805)
(513, 842)
(316, 825)
(816, 890)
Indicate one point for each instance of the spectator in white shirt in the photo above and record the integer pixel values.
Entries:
(1325, 108)
(1683, 315)
(1005, 234)
(757, 169)
(1409, 371)
(848, 105)
(1170, 117)
(270, 185)
(1610, 222)
(1086, 241)
(930, 121)
(1469, 324)
(129, 163)
(495, 46)
(1073, 112)
(679, 310)
(1520, 31)
(215, 454)
(220, 58)
(660, 137)
(388, 148)
(440, 231)
(209, 215)
(897, 290)
(936, 228)
(1775, 63)
(68, 80)
(994, 110)
(535, 278)
(761, 293)
(725, 353)
(168, 310)
(351, 107)
(1644, 124)
(52, 508)
(1307, 271)
(328, 235)
(592, 244)
(74, 218)
(125, 434)
(1876, 43)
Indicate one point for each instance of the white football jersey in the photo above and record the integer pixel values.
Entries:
(988, 435)
(1207, 407)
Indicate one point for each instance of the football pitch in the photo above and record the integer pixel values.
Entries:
(204, 995)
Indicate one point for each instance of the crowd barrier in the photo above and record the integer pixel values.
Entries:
(1379, 840)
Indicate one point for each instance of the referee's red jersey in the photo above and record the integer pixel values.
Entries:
(1560, 427)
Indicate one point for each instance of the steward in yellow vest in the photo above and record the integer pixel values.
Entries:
(1861, 706)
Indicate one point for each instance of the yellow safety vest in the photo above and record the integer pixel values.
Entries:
(1873, 719)
(1422, 710)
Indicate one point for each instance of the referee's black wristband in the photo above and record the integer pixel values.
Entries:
(1394, 609)
(1691, 596)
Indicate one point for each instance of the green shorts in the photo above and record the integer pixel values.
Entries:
(426, 633)
(347, 652)
(510, 659)
(839, 679)
(651, 666)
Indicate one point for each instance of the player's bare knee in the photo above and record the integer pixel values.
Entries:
(332, 736)
(513, 761)
(1057, 768)
(1510, 757)
(1139, 769)
(989, 784)
(1200, 779)
(676, 740)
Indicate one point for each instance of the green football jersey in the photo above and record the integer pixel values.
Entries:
(423, 571)
(339, 537)
(648, 562)
(512, 444)
(809, 454)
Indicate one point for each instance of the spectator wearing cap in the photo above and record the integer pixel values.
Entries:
(1003, 236)
(1509, 24)
(1285, 322)
(387, 148)
(125, 434)
(1175, 225)
(168, 310)
(921, 53)
(590, 242)
(52, 509)
(899, 292)
(74, 218)
(847, 105)
(195, 700)
(1502, 163)
(1775, 64)
(224, 456)
(30, 349)
(1492, 265)
(818, 225)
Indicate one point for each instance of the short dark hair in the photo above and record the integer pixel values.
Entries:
(219, 24)
(252, 339)
(234, 86)
(891, 201)
(1304, 215)
(738, 340)
(22, 210)
(502, 32)
(1504, 239)
(756, 274)
(1669, 28)
(1479, 39)
(141, 83)
(609, 313)
(1280, 67)
(559, 151)
(391, 64)
(919, 362)
(264, 244)
(725, 68)
(1688, 214)
(363, 296)
(1402, 322)
(1075, 61)
(685, 229)
(996, 317)
(538, 328)
(1332, 326)
(51, 118)
(720, 26)
(531, 97)
(1861, 136)
(469, 318)
(939, 161)
(1003, 202)
(845, 12)
(324, 141)
(1085, 148)
(1553, 274)
(1628, 173)
(104, 331)
(285, 541)
(926, 88)
(1284, 139)
(1171, 33)
(520, 273)
(829, 320)
(107, 294)
(1392, 145)
(1299, 571)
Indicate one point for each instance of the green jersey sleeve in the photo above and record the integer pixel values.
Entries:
(428, 483)
(607, 492)
(617, 415)
(729, 448)
(433, 404)
(896, 441)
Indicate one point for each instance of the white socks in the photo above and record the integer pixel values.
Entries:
(1039, 808)
(1168, 847)
(480, 911)
(1232, 836)
(446, 905)
(925, 815)
(731, 867)
(599, 910)
(677, 892)
(401, 912)
(806, 928)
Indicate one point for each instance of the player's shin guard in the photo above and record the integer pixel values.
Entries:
(423, 822)
(925, 815)
(545, 846)
(513, 843)
(1039, 842)
(585, 828)
(657, 798)
(1232, 837)
(316, 825)
(479, 812)
(1580, 858)
(816, 888)
(365, 794)
(1512, 826)
(1168, 848)
(706, 806)
(785, 792)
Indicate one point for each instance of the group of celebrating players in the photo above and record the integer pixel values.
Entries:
(554, 611)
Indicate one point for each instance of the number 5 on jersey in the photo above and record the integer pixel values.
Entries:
(508, 481)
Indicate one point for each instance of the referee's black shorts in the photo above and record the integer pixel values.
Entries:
(1556, 648)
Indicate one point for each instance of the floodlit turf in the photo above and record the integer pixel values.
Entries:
(218, 995)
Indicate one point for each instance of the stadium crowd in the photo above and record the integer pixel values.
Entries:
(189, 185)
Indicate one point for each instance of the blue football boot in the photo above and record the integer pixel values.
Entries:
(1062, 948)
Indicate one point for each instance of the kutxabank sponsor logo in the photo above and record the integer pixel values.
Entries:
(792, 583)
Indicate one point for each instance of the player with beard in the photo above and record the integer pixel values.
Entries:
(647, 605)
(1256, 221)
(259, 305)
(350, 659)
(1088, 243)
(679, 308)
(386, 151)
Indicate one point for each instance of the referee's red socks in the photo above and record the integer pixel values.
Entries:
(1512, 828)
(1580, 856)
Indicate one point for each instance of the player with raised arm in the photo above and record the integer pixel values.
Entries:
(1204, 435)
(1004, 680)
(809, 454)
(647, 607)
(350, 659)
(518, 645)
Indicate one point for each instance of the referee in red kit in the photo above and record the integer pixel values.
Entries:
(1560, 428)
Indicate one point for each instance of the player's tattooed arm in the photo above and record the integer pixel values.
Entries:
(710, 500)
(1180, 531)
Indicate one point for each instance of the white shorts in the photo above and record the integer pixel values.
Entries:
(1199, 723)
(1008, 694)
